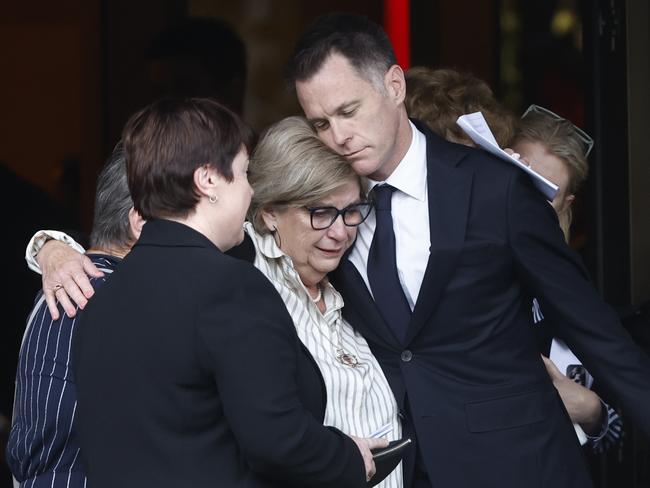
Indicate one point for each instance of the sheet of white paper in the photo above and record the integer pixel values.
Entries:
(582, 437)
(475, 126)
(477, 123)
(564, 358)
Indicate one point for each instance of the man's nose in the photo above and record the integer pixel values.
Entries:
(340, 135)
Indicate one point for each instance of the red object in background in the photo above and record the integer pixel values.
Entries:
(397, 23)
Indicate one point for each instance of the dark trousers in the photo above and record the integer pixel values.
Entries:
(420, 478)
(415, 474)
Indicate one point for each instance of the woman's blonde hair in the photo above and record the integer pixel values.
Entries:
(291, 166)
(559, 138)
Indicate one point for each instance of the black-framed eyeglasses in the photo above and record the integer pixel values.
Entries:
(323, 217)
(586, 139)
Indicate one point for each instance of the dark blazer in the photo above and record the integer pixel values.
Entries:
(469, 373)
(190, 373)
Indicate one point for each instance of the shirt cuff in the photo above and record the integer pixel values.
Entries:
(604, 424)
(39, 239)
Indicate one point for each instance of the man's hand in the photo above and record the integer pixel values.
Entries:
(582, 404)
(365, 445)
(65, 277)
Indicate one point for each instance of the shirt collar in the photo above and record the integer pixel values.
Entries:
(410, 175)
(263, 243)
(266, 245)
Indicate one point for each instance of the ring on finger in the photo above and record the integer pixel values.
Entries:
(57, 287)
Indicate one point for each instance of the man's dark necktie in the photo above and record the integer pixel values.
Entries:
(382, 266)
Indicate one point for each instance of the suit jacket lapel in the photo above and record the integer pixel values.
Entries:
(347, 280)
(449, 190)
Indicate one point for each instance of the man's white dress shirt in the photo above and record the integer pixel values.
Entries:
(410, 212)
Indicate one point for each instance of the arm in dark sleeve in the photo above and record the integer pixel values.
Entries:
(555, 276)
(251, 345)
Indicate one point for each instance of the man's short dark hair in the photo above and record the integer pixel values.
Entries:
(361, 41)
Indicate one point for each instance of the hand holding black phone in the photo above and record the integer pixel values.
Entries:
(387, 458)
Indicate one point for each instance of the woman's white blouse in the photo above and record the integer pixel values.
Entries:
(359, 399)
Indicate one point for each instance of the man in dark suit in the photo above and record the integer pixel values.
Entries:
(441, 277)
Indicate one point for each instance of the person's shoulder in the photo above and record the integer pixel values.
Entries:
(240, 285)
(41, 315)
(465, 157)
(232, 270)
(482, 161)
(104, 263)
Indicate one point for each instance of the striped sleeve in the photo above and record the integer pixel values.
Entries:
(42, 438)
(43, 449)
(613, 433)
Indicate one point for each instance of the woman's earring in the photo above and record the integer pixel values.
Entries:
(277, 237)
(213, 198)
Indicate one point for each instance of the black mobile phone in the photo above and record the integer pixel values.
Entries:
(386, 459)
(393, 448)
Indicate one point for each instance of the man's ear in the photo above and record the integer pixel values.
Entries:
(395, 84)
(135, 223)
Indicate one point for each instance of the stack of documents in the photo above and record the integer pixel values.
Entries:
(565, 360)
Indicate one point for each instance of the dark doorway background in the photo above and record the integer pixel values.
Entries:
(73, 71)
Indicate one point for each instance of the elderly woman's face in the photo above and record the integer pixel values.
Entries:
(315, 252)
(550, 167)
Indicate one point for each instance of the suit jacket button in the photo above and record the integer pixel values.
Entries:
(406, 356)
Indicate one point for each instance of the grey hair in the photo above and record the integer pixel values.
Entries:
(291, 166)
(113, 202)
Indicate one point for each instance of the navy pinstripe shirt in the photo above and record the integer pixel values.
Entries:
(43, 448)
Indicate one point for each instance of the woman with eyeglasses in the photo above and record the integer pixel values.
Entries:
(303, 217)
